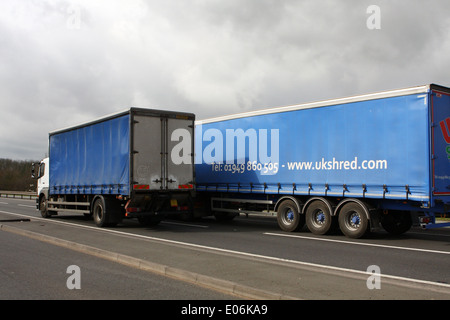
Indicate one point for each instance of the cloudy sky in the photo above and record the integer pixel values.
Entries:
(66, 62)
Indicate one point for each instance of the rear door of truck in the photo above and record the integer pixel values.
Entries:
(162, 156)
(180, 156)
(441, 144)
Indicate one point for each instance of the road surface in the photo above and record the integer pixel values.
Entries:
(251, 258)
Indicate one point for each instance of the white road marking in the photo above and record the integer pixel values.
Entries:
(27, 206)
(185, 224)
(356, 243)
(237, 253)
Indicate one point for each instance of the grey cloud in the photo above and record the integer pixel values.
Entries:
(64, 62)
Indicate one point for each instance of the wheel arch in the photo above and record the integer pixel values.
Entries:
(43, 193)
(326, 201)
(363, 205)
(294, 199)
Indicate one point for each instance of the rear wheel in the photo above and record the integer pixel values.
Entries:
(288, 216)
(106, 212)
(396, 222)
(353, 220)
(99, 213)
(318, 217)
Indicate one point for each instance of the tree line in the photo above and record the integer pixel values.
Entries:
(15, 175)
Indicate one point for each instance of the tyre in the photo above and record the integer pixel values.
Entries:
(99, 213)
(106, 212)
(353, 220)
(288, 217)
(396, 223)
(43, 207)
(318, 217)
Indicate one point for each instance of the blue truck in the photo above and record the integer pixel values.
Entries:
(354, 164)
(137, 163)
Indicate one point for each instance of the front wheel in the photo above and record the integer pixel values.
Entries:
(43, 207)
(288, 216)
(353, 220)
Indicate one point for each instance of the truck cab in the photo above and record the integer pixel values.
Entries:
(41, 173)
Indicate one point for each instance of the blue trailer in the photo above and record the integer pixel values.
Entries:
(352, 163)
(134, 163)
